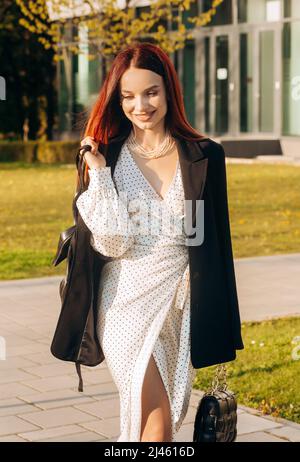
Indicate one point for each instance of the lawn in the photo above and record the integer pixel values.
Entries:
(35, 206)
(264, 375)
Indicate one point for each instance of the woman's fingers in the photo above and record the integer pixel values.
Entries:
(91, 142)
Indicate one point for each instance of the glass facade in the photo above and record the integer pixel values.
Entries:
(207, 90)
(189, 80)
(246, 82)
(248, 76)
(266, 80)
(79, 82)
(221, 82)
(291, 79)
(291, 9)
(259, 10)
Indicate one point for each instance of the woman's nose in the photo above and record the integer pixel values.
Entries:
(140, 104)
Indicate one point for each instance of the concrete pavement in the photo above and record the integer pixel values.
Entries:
(38, 393)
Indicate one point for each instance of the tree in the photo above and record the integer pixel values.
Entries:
(111, 28)
(29, 72)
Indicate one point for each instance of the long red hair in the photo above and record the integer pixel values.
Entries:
(107, 120)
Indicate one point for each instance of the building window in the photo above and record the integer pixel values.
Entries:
(291, 9)
(207, 83)
(291, 79)
(222, 59)
(259, 10)
(266, 81)
(246, 82)
(189, 80)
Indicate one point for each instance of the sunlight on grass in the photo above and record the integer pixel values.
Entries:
(264, 375)
(36, 203)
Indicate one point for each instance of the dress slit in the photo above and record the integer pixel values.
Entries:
(164, 387)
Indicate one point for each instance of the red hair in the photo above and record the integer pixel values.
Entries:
(107, 119)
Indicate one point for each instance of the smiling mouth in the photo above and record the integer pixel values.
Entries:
(145, 116)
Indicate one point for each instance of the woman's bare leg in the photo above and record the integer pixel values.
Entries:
(156, 416)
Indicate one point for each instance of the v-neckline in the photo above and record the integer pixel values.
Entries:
(162, 199)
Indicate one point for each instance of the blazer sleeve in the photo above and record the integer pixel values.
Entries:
(221, 212)
(105, 214)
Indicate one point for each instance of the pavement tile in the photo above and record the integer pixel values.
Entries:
(9, 391)
(12, 439)
(82, 437)
(15, 363)
(52, 383)
(247, 423)
(258, 437)
(51, 432)
(15, 406)
(50, 370)
(109, 427)
(103, 409)
(12, 424)
(50, 418)
(15, 375)
(57, 398)
(292, 434)
(185, 433)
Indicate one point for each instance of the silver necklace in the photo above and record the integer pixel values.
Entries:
(160, 151)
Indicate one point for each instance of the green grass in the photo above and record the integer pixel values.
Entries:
(264, 375)
(35, 206)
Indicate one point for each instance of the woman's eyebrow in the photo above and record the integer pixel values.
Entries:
(149, 88)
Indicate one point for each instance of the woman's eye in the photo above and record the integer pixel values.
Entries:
(152, 93)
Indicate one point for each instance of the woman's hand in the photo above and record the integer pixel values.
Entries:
(93, 158)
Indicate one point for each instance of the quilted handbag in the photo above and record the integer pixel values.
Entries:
(216, 415)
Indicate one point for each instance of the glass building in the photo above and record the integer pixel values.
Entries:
(240, 75)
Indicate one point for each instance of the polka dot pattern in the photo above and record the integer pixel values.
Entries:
(144, 292)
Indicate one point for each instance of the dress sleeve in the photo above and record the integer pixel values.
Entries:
(105, 214)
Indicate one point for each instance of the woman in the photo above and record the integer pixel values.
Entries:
(137, 216)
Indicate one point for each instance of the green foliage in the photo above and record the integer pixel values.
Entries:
(264, 375)
(29, 72)
(44, 152)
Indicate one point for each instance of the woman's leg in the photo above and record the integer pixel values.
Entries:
(156, 417)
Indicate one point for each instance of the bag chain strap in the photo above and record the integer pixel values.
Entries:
(219, 382)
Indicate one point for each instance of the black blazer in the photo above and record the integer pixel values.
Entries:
(215, 321)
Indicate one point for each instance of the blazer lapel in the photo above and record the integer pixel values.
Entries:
(193, 165)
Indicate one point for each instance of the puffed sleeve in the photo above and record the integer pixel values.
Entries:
(105, 214)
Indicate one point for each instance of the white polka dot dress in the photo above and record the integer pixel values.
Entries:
(144, 292)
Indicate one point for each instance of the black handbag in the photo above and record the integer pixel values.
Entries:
(216, 415)
(64, 247)
(75, 337)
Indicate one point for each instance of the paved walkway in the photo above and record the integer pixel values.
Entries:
(38, 393)
(267, 159)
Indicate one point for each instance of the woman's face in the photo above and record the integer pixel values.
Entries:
(143, 97)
